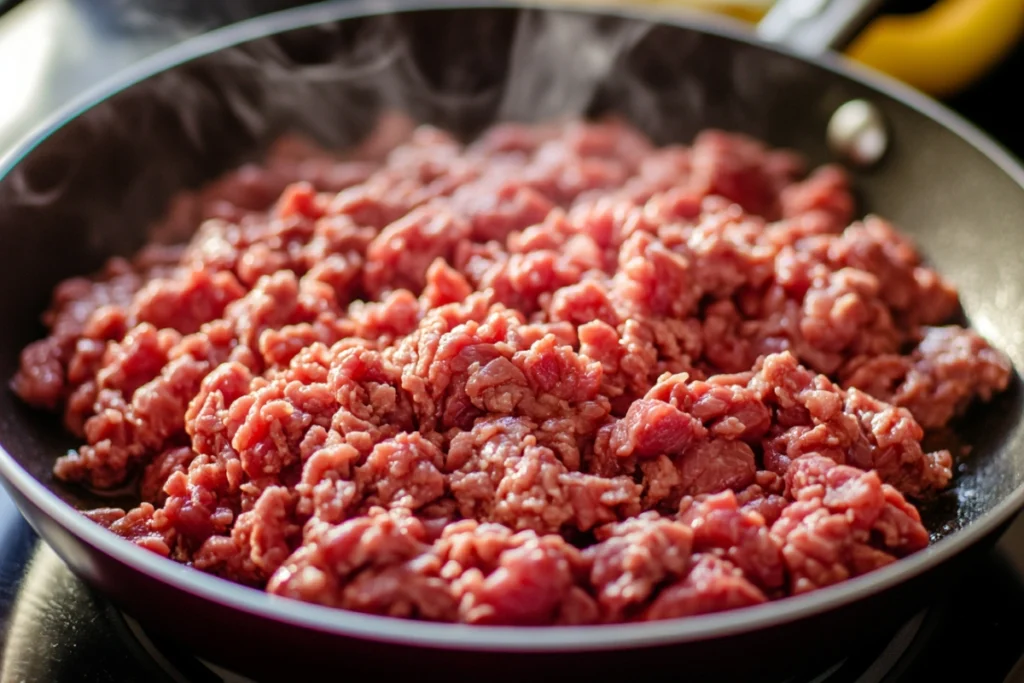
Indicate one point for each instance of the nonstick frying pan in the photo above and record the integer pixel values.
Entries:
(87, 185)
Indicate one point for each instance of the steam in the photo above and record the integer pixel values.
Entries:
(559, 61)
(556, 65)
(333, 82)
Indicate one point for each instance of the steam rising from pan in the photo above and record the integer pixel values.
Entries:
(331, 82)
(558, 62)
(460, 69)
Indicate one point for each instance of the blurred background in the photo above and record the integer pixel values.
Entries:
(966, 52)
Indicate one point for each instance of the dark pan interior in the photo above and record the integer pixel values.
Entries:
(90, 189)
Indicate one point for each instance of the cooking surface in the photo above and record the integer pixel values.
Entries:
(54, 629)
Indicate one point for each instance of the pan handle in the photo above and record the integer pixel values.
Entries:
(813, 27)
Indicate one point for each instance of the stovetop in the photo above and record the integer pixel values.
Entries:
(54, 629)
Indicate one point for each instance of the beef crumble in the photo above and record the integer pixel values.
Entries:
(555, 376)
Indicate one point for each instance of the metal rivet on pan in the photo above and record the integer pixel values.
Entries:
(857, 133)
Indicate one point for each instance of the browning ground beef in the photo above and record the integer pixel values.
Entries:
(555, 376)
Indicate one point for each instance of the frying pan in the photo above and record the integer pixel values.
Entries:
(87, 185)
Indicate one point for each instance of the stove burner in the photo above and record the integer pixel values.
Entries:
(225, 675)
(884, 665)
(179, 666)
(876, 664)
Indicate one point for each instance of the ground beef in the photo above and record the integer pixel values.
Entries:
(556, 376)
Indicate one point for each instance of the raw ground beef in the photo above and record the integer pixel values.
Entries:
(555, 376)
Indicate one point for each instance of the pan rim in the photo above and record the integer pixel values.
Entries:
(460, 636)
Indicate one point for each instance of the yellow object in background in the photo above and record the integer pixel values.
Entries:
(745, 10)
(944, 49)
(940, 51)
